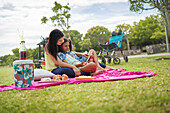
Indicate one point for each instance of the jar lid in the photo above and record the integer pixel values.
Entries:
(23, 62)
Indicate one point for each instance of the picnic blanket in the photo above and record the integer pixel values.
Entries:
(109, 75)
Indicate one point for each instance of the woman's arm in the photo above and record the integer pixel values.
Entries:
(80, 65)
(62, 64)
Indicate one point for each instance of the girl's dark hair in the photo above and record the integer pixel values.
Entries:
(70, 45)
(52, 46)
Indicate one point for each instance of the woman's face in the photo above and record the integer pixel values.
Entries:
(66, 47)
(60, 41)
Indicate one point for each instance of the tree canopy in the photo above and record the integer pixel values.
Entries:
(76, 38)
(98, 34)
(144, 33)
(60, 18)
(162, 5)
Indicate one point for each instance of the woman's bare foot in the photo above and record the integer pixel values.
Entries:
(97, 72)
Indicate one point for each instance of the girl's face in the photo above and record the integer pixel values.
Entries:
(60, 41)
(66, 47)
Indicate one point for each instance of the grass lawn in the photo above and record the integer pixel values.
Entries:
(142, 95)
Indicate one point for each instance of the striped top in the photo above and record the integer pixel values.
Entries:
(68, 58)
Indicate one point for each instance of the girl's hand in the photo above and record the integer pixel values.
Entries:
(76, 71)
(86, 55)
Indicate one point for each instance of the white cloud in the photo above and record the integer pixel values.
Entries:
(89, 2)
(26, 16)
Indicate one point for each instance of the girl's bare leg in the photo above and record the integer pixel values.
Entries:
(97, 72)
(88, 68)
(93, 52)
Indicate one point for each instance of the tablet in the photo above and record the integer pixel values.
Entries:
(88, 58)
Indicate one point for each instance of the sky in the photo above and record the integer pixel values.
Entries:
(24, 17)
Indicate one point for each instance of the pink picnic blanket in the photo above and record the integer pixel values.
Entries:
(110, 75)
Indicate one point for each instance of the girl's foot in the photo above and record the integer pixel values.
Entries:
(99, 67)
(109, 68)
(97, 72)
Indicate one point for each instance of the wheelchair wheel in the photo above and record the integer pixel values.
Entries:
(109, 60)
(103, 60)
(116, 60)
(126, 58)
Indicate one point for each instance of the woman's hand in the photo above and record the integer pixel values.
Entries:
(80, 65)
(76, 71)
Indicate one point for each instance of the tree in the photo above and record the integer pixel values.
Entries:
(125, 29)
(61, 17)
(76, 38)
(32, 53)
(4, 59)
(158, 37)
(162, 5)
(98, 34)
(11, 58)
(16, 52)
(85, 44)
(144, 32)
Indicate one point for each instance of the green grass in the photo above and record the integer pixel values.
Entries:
(142, 95)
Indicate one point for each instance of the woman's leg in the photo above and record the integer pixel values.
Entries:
(102, 65)
(106, 67)
(63, 70)
(84, 73)
(69, 72)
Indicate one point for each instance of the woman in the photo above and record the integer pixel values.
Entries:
(53, 63)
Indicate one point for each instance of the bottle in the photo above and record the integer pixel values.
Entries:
(22, 51)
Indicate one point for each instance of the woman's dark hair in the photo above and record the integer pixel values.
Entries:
(52, 46)
(70, 45)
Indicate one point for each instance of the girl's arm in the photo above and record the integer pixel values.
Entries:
(81, 54)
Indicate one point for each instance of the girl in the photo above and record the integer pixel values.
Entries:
(64, 57)
(54, 64)
(65, 48)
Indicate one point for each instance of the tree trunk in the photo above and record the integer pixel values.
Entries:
(167, 27)
(167, 20)
(68, 35)
(167, 40)
(128, 47)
